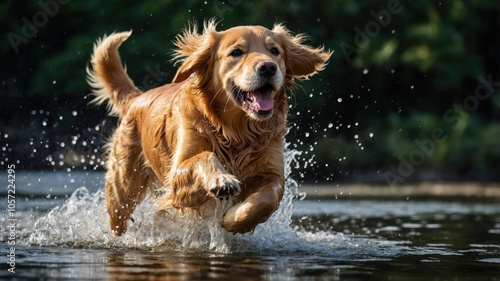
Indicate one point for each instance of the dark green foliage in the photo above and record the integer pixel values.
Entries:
(401, 70)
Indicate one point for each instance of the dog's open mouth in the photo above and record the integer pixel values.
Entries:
(259, 101)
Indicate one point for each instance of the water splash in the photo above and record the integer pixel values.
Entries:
(82, 221)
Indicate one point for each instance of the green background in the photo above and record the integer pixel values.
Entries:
(404, 97)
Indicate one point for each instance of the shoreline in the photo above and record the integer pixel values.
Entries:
(421, 189)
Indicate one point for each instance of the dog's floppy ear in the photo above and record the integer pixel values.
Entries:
(301, 60)
(195, 51)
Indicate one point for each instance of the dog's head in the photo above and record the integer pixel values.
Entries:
(246, 66)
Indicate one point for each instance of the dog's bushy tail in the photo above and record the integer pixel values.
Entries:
(108, 77)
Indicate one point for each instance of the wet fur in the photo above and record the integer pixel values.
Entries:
(191, 135)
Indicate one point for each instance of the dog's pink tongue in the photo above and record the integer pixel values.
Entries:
(262, 100)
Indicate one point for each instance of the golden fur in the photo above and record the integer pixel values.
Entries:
(216, 132)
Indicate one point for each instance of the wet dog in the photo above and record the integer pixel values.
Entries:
(216, 132)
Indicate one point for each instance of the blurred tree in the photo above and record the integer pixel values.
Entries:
(398, 67)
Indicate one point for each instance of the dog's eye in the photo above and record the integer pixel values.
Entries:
(236, 53)
(274, 51)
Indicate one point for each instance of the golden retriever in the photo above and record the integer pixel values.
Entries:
(216, 132)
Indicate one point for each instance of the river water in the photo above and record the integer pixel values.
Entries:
(61, 233)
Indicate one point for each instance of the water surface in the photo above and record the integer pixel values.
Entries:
(62, 233)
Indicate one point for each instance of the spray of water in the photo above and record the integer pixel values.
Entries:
(82, 221)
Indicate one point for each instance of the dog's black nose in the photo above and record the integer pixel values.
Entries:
(266, 68)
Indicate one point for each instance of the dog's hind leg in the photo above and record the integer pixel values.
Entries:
(126, 177)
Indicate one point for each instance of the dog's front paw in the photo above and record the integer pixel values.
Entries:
(224, 186)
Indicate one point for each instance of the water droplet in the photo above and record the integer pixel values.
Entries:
(339, 100)
(371, 135)
(365, 71)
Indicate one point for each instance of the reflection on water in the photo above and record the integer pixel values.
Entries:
(63, 234)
